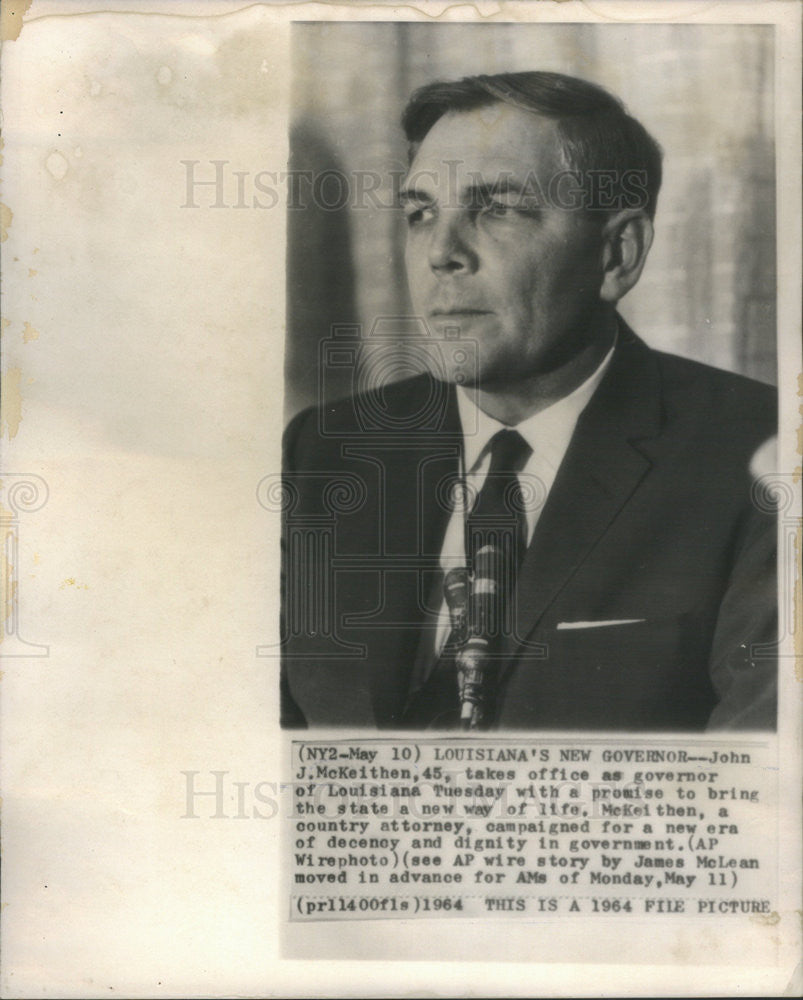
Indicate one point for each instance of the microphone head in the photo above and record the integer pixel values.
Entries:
(455, 590)
(455, 587)
(487, 562)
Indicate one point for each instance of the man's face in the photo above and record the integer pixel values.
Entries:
(487, 254)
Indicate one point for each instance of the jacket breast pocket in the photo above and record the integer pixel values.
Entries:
(628, 675)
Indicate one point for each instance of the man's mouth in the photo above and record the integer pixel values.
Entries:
(460, 311)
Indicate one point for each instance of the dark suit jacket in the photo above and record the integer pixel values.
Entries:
(650, 518)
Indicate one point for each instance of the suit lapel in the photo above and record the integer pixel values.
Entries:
(602, 468)
(600, 472)
(415, 516)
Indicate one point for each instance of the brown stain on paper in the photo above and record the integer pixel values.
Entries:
(11, 407)
(11, 14)
(29, 334)
(6, 215)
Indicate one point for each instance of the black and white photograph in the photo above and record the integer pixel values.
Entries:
(531, 313)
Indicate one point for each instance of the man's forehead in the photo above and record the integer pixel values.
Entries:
(485, 144)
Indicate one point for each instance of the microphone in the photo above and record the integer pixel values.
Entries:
(485, 608)
(483, 621)
(455, 588)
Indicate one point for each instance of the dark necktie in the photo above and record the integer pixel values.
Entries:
(497, 519)
(496, 526)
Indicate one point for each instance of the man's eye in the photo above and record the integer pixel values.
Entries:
(520, 208)
(416, 214)
(493, 208)
(497, 209)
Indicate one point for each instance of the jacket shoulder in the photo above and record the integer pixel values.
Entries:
(724, 383)
(718, 396)
(418, 404)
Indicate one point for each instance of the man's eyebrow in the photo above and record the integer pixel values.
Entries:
(407, 195)
(478, 191)
(504, 185)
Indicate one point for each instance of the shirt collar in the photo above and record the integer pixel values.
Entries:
(547, 432)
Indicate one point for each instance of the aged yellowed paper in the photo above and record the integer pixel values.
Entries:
(201, 231)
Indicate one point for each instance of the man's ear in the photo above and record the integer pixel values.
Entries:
(627, 238)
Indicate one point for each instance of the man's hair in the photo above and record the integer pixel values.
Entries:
(596, 132)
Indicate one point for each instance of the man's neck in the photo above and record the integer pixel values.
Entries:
(514, 401)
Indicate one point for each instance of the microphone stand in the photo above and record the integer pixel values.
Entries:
(472, 606)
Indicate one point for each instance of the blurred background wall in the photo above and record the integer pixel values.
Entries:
(705, 92)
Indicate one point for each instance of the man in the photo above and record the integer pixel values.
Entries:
(630, 576)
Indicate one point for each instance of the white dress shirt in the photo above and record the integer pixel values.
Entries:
(547, 433)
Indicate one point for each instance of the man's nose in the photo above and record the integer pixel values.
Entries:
(450, 249)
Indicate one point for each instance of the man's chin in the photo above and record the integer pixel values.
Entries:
(487, 381)
(463, 371)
